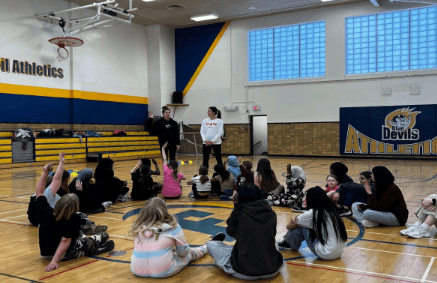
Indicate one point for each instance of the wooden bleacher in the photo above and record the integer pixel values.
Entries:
(5, 148)
(48, 149)
(134, 145)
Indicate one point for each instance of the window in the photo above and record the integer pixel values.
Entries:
(287, 52)
(395, 41)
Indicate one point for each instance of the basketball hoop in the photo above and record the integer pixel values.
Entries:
(62, 42)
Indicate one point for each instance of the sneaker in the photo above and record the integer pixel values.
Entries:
(345, 212)
(191, 194)
(369, 224)
(225, 197)
(107, 204)
(297, 208)
(104, 248)
(95, 229)
(408, 230)
(283, 244)
(124, 198)
(219, 237)
(419, 233)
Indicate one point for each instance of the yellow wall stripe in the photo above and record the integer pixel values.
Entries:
(66, 93)
(205, 59)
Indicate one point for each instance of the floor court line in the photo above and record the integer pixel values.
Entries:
(15, 222)
(68, 270)
(366, 249)
(22, 278)
(14, 217)
(428, 268)
(400, 244)
(357, 272)
(13, 211)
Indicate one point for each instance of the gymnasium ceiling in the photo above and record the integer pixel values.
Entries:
(161, 11)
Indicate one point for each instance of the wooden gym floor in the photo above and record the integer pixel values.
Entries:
(377, 254)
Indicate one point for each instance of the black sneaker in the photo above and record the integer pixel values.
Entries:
(297, 208)
(219, 237)
(284, 245)
(101, 249)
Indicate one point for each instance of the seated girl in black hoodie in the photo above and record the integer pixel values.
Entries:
(253, 224)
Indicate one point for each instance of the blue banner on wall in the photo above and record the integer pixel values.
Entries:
(393, 130)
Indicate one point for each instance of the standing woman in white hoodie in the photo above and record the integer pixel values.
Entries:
(211, 132)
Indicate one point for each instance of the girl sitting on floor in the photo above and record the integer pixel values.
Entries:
(321, 227)
(246, 175)
(426, 217)
(253, 225)
(143, 186)
(233, 167)
(296, 179)
(331, 185)
(201, 184)
(265, 178)
(387, 206)
(226, 180)
(171, 187)
(160, 248)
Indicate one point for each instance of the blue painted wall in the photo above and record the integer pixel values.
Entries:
(39, 109)
(191, 45)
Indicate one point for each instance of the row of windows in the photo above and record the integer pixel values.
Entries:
(395, 41)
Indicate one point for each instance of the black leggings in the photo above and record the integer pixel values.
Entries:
(170, 152)
(207, 152)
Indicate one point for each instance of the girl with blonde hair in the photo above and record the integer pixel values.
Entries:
(160, 247)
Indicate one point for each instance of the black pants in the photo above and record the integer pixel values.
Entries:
(207, 152)
(170, 152)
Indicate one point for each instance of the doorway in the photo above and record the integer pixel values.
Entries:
(259, 134)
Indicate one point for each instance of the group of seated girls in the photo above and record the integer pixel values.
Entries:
(160, 248)
(58, 207)
(377, 200)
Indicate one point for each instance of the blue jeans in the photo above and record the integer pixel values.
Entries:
(381, 217)
(296, 236)
(221, 253)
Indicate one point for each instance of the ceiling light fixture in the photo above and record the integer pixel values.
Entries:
(147, 0)
(327, 0)
(204, 17)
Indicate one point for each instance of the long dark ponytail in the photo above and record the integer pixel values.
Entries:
(145, 175)
(203, 172)
(324, 209)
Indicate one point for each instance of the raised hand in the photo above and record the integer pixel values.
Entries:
(165, 145)
(154, 161)
(79, 185)
(150, 115)
(48, 168)
(62, 156)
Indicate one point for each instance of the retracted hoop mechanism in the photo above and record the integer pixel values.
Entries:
(62, 42)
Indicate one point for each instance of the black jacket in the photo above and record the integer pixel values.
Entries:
(254, 227)
(167, 131)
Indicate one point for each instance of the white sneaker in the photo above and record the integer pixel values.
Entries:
(419, 233)
(107, 204)
(408, 230)
(369, 224)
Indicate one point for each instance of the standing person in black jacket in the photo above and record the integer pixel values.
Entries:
(253, 224)
(167, 130)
